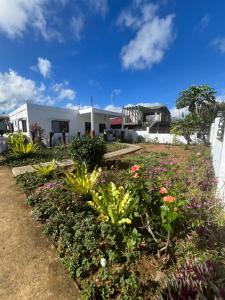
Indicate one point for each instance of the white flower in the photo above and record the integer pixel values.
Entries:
(103, 262)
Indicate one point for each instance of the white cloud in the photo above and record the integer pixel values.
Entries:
(94, 83)
(219, 44)
(153, 36)
(16, 90)
(63, 92)
(204, 22)
(137, 15)
(17, 16)
(77, 26)
(67, 94)
(113, 108)
(72, 106)
(115, 93)
(146, 104)
(44, 67)
(179, 113)
(98, 6)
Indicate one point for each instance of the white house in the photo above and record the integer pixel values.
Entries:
(57, 120)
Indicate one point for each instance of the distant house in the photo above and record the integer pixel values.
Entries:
(55, 120)
(156, 118)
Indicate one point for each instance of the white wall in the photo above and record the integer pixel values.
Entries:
(218, 158)
(163, 138)
(43, 115)
(19, 113)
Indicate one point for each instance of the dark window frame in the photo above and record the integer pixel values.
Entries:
(60, 126)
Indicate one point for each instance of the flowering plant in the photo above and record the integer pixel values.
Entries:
(171, 209)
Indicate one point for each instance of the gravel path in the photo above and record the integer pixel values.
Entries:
(29, 266)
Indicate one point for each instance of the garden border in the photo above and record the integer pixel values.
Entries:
(69, 162)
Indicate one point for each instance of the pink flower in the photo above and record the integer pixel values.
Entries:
(163, 190)
(169, 199)
(135, 168)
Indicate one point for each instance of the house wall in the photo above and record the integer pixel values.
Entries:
(43, 115)
(98, 119)
(19, 113)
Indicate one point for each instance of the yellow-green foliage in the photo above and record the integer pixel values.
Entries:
(20, 147)
(114, 204)
(82, 182)
(46, 170)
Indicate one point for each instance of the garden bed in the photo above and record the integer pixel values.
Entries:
(47, 154)
(174, 224)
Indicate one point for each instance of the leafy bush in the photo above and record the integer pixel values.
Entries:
(30, 181)
(42, 155)
(37, 133)
(82, 182)
(20, 147)
(46, 170)
(113, 204)
(88, 150)
(194, 281)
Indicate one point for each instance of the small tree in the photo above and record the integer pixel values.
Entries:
(185, 127)
(202, 105)
(37, 133)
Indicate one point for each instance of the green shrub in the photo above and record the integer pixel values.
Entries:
(46, 170)
(30, 181)
(81, 183)
(20, 147)
(113, 204)
(88, 150)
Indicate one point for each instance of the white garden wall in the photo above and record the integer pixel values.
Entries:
(161, 138)
(218, 158)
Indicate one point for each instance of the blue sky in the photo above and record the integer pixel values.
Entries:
(62, 52)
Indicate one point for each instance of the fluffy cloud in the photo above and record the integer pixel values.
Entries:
(16, 16)
(16, 90)
(94, 83)
(146, 104)
(114, 93)
(77, 26)
(19, 16)
(153, 36)
(204, 22)
(72, 106)
(67, 94)
(98, 6)
(63, 92)
(44, 67)
(219, 44)
(113, 108)
(179, 113)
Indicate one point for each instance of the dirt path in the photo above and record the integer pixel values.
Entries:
(29, 267)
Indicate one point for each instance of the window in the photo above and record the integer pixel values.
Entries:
(102, 127)
(24, 125)
(87, 127)
(60, 126)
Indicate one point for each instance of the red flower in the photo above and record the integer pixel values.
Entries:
(135, 168)
(169, 199)
(163, 190)
(136, 175)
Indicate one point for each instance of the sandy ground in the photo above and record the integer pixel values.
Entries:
(29, 266)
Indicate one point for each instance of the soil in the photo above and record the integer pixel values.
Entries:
(178, 153)
(29, 265)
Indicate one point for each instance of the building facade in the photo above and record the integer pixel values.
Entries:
(58, 120)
